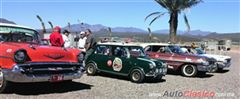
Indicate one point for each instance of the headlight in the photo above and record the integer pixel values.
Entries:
(225, 61)
(205, 63)
(152, 65)
(20, 56)
(80, 57)
(17, 68)
(164, 65)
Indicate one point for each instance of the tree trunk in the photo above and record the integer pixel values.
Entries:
(173, 22)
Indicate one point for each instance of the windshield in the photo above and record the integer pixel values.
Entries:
(177, 49)
(199, 51)
(15, 34)
(136, 51)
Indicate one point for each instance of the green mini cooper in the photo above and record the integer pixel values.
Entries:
(126, 60)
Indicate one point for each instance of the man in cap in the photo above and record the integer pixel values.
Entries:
(56, 38)
(82, 41)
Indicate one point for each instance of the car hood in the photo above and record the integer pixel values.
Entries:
(43, 53)
(158, 62)
(217, 57)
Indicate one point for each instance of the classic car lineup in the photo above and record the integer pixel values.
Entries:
(26, 58)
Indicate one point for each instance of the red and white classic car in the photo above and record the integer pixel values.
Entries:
(24, 59)
(188, 65)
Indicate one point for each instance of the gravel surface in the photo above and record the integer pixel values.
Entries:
(223, 84)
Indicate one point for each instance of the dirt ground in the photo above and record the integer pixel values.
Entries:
(221, 84)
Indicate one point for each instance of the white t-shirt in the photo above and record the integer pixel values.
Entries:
(67, 42)
(81, 42)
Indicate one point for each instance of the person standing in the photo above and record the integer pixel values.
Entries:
(82, 41)
(90, 43)
(67, 41)
(56, 38)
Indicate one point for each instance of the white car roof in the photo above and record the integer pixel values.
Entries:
(147, 44)
(14, 25)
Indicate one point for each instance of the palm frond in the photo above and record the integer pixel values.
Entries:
(154, 19)
(186, 22)
(167, 4)
(39, 18)
(49, 22)
(188, 4)
(151, 14)
(149, 30)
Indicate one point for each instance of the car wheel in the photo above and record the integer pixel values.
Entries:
(189, 70)
(91, 69)
(137, 76)
(4, 85)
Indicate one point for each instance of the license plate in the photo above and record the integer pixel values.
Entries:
(56, 78)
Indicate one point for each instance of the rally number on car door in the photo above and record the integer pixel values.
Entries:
(117, 64)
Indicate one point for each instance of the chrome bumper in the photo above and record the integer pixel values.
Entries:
(223, 65)
(157, 72)
(18, 74)
(207, 68)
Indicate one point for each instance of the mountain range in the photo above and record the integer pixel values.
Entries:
(101, 28)
(2, 20)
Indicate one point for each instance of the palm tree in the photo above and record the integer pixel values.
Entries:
(173, 7)
(150, 34)
(43, 26)
(110, 32)
(69, 26)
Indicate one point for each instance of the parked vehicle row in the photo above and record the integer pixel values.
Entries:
(24, 58)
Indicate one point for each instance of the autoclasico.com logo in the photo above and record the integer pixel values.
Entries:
(191, 93)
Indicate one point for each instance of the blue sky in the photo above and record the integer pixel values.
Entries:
(222, 16)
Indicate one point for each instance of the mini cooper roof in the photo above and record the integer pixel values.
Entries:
(14, 25)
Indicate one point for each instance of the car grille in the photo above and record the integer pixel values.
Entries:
(49, 68)
(212, 62)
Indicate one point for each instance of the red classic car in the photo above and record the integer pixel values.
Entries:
(189, 65)
(24, 59)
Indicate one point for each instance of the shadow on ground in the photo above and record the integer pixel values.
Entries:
(47, 88)
(147, 80)
(222, 71)
(199, 75)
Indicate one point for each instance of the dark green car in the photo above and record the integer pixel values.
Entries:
(125, 60)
